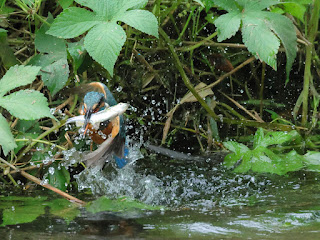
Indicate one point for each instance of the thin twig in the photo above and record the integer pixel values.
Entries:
(46, 185)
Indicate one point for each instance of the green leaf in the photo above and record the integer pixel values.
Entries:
(272, 138)
(73, 22)
(227, 25)
(209, 4)
(295, 9)
(236, 147)
(55, 75)
(239, 151)
(65, 3)
(6, 138)
(229, 5)
(245, 164)
(30, 126)
(312, 160)
(58, 176)
(17, 214)
(137, 4)
(285, 30)
(142, 20)
(258, 137)
(104, 43)
(63, 208)
(292, 161)
(105, 8)
(256, 5)
(278, 166)
(121, 204)
(198, 1)
(26, 104)
(261, 30)
(43, 60)
(105, 38)
(17, 76)
(261, 163)
(48, 44)
(259, 39)
(17, 210)
(6, 53)
(53, 60)
(78, 53)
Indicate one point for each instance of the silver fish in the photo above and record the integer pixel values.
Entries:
(101, 116)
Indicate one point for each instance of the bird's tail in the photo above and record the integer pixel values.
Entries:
(122, 161)
(111, 147)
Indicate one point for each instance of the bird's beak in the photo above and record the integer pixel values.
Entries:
(87, 117)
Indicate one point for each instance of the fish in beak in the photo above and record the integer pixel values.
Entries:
(90, 117)
(87, 117)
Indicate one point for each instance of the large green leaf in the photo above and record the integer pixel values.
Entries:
(285, 30)
(105, 38)
(142, 20)
(259, 39)
(104, 43)
(26, 104)
(73, 22)
(17, 76)
(6, 139)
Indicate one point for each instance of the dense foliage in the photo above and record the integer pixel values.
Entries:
(195, 71)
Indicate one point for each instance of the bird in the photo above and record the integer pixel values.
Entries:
(110, 134)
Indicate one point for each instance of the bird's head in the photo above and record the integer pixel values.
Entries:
(93, 102)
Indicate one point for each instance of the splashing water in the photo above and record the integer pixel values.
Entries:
(158, 180)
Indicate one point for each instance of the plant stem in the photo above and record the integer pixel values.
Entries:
(312, 32)
(46, 133)
(199, 44)
(184, 75)
(41, 141)
(263, 73)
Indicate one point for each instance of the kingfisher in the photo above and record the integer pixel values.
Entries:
(109, 134)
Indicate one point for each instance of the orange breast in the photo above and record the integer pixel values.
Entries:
(112, 128)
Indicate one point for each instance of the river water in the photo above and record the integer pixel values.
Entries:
(201, 200)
